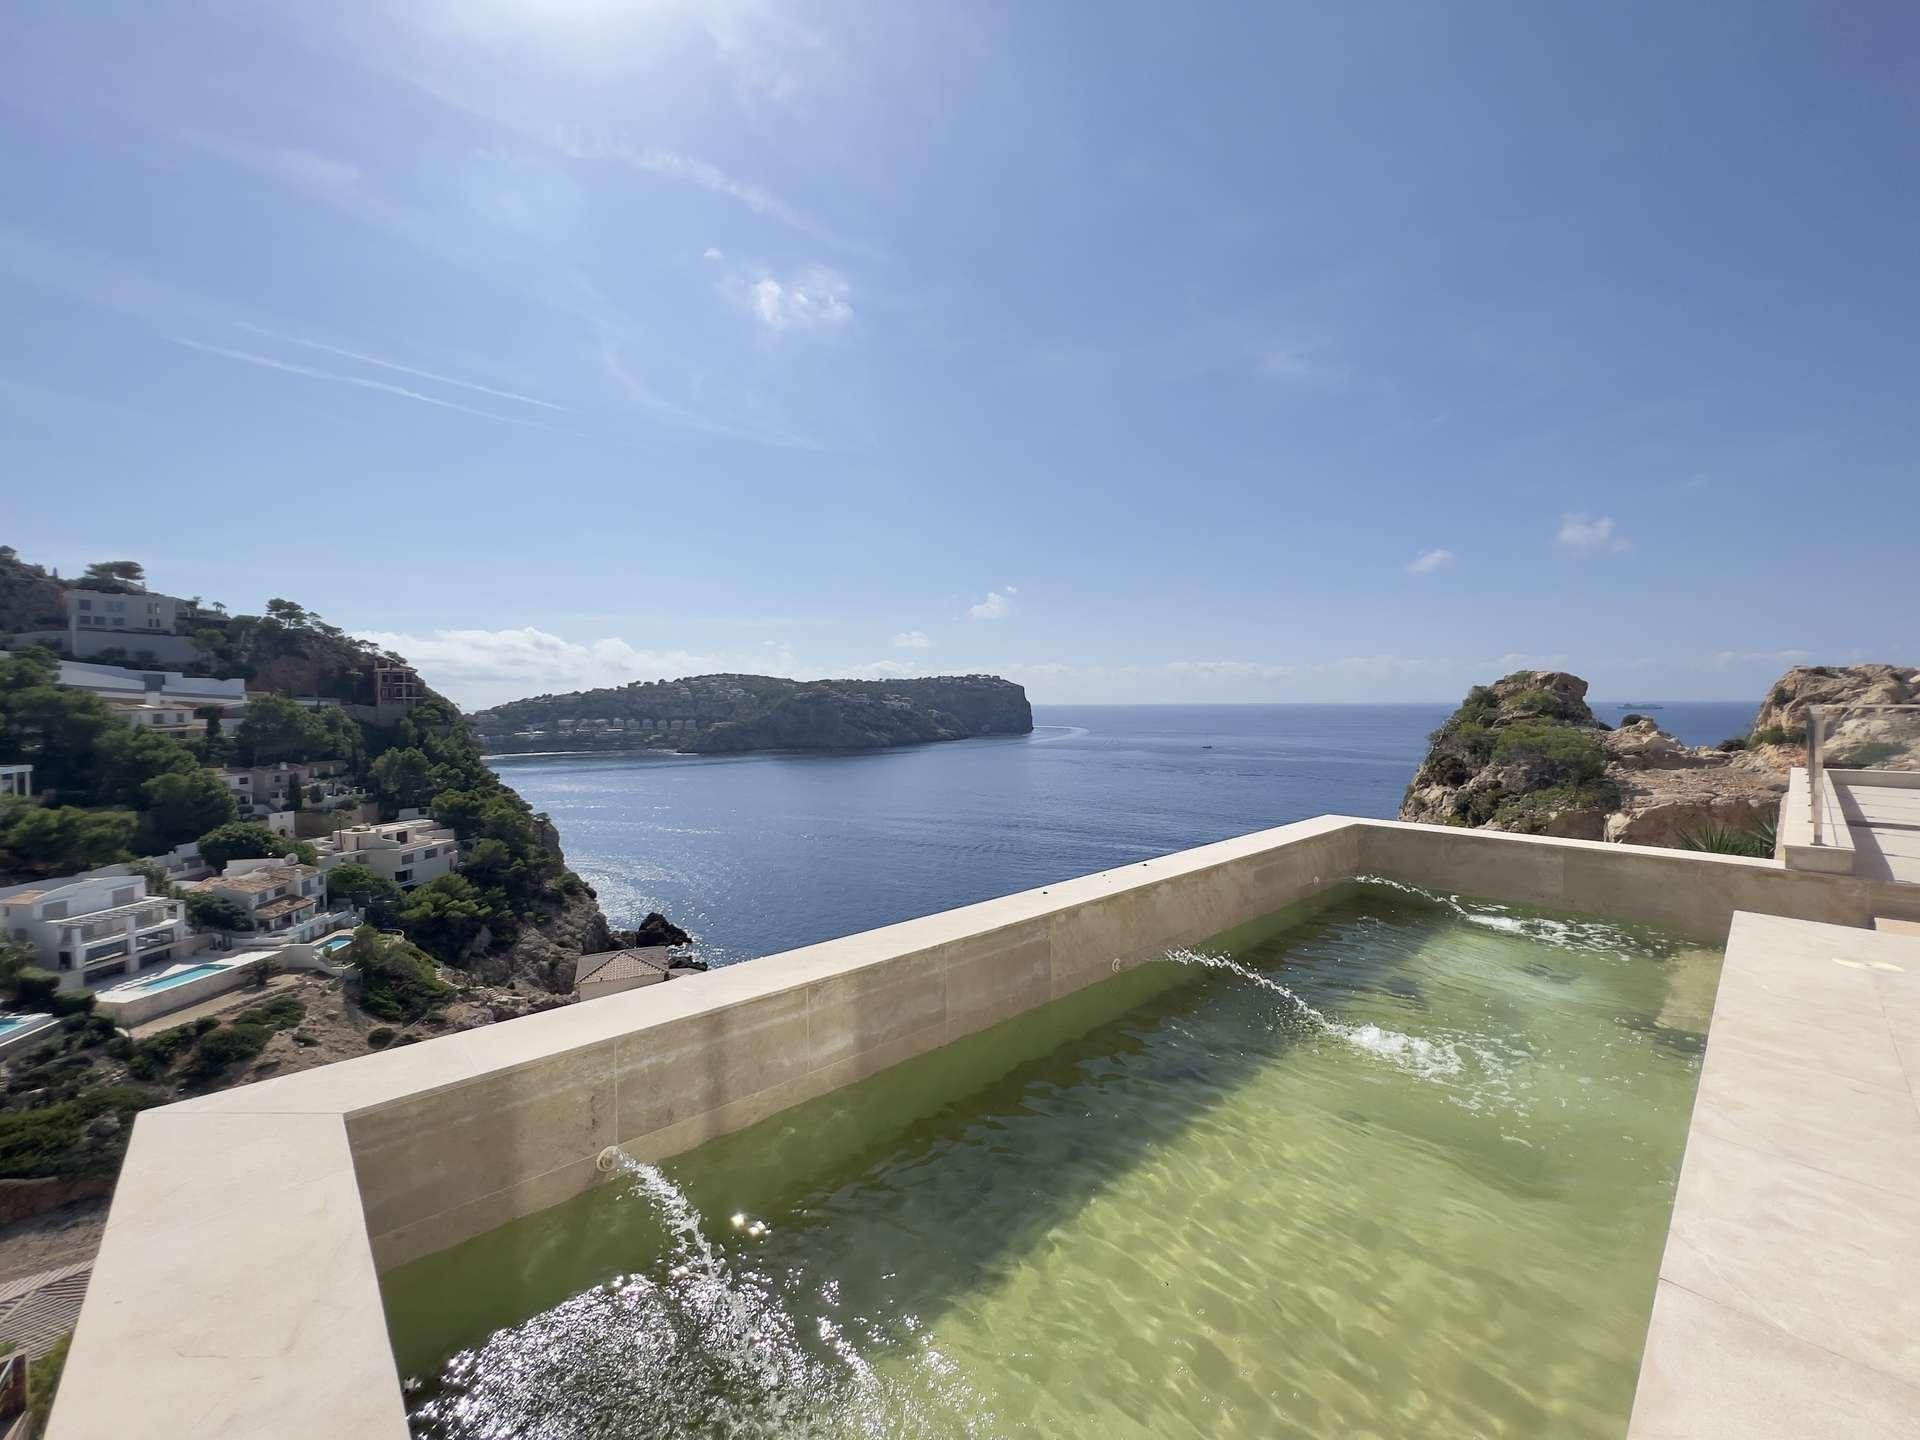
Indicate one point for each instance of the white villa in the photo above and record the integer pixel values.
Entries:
(407, 852)
(170, 717)
(140, 613)
(265, 789)
(16, 780)
(286, 902)
(90, 929)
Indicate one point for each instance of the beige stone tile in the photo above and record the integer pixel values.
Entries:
(1841, 1000)
(234, 1292)
(1783, 1036)
(870, 1007)
(1517, 870)
(1867, 1133)
(995, 977)
(1712, 1373)
(1835, 1263)
(422, 1157)
(482, 1213)
(672, 1073)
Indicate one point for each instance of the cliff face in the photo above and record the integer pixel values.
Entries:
(1526, 754)
(734, 713)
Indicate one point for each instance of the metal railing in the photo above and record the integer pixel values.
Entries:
(1857, 737)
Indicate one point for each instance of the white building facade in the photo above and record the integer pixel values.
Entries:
(287, 903)
(92, 930)
(407, 852)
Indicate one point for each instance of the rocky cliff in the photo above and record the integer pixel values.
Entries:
(1526, 754)
(735, 713)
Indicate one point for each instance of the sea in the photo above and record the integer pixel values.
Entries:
(754, 854)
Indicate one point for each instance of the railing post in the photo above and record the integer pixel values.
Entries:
(1815, 767)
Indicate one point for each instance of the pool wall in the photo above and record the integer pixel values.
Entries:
(133, 1003)
(235, 1292)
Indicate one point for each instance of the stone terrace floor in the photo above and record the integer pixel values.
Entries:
(1885, 823)
(1789, 1295)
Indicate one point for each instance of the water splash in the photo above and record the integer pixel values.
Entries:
(1588, 936)
(703, 1344)
(1428, 1059)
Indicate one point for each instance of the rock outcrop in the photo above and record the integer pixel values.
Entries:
(1526, 754)
(1784, 712)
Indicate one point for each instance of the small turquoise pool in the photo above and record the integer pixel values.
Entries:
(10, 1023)
(339, 942)
(179, 977)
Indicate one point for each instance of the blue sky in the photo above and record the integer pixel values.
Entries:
(1299, 352)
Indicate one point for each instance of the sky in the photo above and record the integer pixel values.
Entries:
(1134, 352)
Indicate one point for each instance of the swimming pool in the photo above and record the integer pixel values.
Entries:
(338, 942)
(1399, 1165)
(178, 977)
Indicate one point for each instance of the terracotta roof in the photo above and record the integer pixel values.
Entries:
(622, 964)
(273, 909)
(254, 881)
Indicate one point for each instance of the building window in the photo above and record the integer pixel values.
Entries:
(85, 604)
(401, 877)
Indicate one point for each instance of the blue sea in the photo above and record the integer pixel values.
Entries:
(759, 853)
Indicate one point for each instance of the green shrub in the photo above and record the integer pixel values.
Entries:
(394, 980)
(53, 1139)
(1778, 735)
(229, 1045)
(71, 1003)
(1733, 744)
(282, 1013)
(1549, 754)
(152, 1056)
(35, 988)
(1529, 814)
(381, 1036)
(43, 1382)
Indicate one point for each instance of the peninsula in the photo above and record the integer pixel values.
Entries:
(732, 714)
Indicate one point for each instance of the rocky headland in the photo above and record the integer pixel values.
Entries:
(733, 714)
(1526, 754)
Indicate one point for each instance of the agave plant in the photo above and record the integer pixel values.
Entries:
(1755, 839)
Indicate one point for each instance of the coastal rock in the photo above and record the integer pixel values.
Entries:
(1526, 754)
(1785, 708)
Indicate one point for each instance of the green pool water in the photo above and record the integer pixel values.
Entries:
(1393, 1165)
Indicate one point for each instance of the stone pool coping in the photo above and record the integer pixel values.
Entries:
(236, 1293)
(1789, 1294)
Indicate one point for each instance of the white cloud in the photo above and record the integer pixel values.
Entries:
(997, 606)
(1228, 670)
(816, 299)
(1589, 532)
(912, 640)
(713, 253)
(1428, 561)
(486, 667)
(287, 164)
(673, 165)
(1296, 362)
